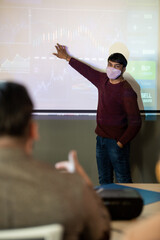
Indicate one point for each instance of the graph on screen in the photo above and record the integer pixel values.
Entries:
(29, 31)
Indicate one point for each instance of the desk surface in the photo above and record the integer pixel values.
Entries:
(119, 227)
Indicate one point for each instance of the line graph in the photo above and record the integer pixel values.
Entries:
(17, 65)
(70, 35)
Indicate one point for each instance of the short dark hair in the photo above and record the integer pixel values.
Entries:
(15, 109)
(118, 58)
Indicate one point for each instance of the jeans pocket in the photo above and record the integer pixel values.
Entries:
(118, 147)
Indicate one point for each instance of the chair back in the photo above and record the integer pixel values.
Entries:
(46, 232)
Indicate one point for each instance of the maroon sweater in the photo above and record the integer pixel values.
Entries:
(118, 115)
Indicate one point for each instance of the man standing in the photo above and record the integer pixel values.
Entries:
(118, 116)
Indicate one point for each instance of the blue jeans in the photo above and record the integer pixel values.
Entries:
(110, 157)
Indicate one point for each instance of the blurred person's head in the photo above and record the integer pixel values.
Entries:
(16, 125)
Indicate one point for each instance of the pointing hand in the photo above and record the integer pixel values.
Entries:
(62, 52)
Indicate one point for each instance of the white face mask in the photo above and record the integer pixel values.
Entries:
(113, 73)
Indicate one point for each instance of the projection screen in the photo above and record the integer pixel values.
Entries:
(91, 29)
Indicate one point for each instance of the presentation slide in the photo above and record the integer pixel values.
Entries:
(91, 30)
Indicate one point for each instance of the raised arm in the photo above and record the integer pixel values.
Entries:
(96, 216)
(84, 69)
(73, 166)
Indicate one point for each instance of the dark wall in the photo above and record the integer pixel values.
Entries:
(58, 136)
